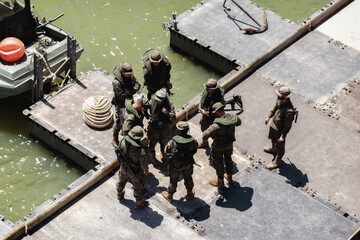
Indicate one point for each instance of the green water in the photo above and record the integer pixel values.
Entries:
(295, 10)
(110, 31)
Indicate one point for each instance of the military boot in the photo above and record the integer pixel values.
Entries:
(120, 195)
(140, 204)
(269, 149)
(203, 144)
(153, 159)
(217, 182)
(274, 164)
(228, 178)
(190, 195)
(168, 196)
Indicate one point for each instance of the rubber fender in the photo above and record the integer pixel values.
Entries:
(11, 49)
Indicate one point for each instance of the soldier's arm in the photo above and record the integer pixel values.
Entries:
(143, 161)
(169, 146)
(238, 123)
(119, 92)
(210, 131)
(137, 85)
(273, 110)
(172, 112)
(147, 76)
(289, 117)
(194, 147)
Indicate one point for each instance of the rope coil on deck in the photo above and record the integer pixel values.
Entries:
(97, 112)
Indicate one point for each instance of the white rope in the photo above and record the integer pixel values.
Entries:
(97, 112)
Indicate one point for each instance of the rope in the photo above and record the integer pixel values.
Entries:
(118, 12)
(97, 112)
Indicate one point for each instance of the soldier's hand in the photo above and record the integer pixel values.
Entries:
(281, 139)
(127, 92)
(146, 173)
(267, 121)
(164, 110)
(202, 111)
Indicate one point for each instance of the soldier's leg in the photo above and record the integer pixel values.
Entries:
(153, 135)
(116, 127)
(174, 175)
(229, 165)
(123, 179)
(280, 151)
(138, 182)
(204, 125)
(217, 157)
(165, 132)
(187, 174)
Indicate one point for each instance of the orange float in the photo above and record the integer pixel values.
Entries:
(11, 49)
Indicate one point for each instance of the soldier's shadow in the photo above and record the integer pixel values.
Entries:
(196, 208)
(237, 197)
(294, 176)
(147, 215)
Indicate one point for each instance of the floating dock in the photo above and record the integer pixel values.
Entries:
(314, 195)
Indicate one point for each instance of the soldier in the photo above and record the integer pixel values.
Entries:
(125, 86)
(213, 93)
(156, 72)
(134, 166)
(162, 114)
(223, 133)
(134, 113)
(282, 116)
(181, 150)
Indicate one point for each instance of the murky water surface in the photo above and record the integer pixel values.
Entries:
(111, 32)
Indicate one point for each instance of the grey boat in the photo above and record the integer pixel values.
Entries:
(49, 50)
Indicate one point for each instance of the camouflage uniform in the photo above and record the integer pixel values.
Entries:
(135, 167)
(156, 77)
(160, 124)
(132, 117)
(119, 86)
(207, 100)
(282, 116)
(181, 150)
(182, 161)
(223, 133)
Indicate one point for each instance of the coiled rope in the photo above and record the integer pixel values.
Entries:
(97, 112)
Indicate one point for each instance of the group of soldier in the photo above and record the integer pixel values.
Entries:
(131, 108)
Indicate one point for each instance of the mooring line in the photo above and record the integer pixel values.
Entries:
(118, 12)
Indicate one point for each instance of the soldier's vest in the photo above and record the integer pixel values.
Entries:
(278, 122)
(157, 117)
(207, 101)
(161, 75)
(139, 117)
(181, 154)
(127, 147)
(226, 133)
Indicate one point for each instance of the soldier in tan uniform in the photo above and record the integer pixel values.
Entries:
(134, 165)
(162, 114)
(222, 131)
(282, 116)
(181, 150)
(134, 112)
(125, 85)
(213, 93)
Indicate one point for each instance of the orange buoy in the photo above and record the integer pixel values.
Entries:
(11, 49)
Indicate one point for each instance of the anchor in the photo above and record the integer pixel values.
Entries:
(262, 28)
